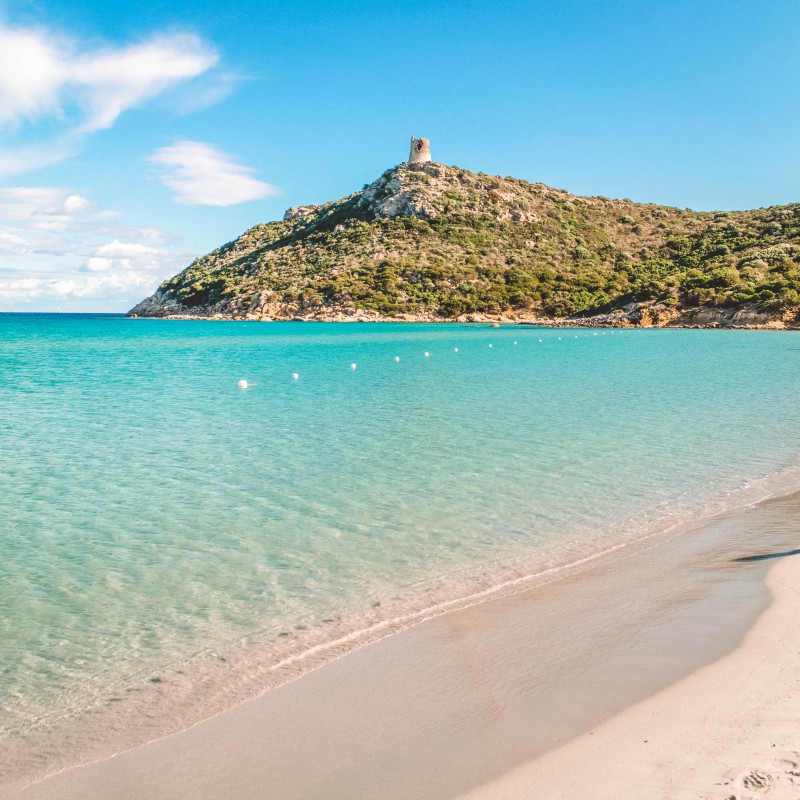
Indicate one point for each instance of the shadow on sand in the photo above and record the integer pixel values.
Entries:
(765, 556)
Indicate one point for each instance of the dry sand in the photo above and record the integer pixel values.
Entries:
(526, 696)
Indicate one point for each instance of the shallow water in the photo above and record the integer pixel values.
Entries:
(156, 516)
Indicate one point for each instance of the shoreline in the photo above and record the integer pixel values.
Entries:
(538, 322)
(431, 642)
(648, 314)
(187, 694)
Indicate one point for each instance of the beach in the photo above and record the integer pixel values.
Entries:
(399, 402)
(730, 730)
(668, 670)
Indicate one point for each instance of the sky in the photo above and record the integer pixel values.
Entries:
(137, 136)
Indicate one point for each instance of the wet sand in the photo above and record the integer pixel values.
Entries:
(477, 703)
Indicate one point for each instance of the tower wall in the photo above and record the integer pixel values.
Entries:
(420, 151)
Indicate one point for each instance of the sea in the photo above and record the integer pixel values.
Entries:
(171, 543)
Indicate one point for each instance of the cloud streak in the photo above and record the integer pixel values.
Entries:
(200, 174)
(46, 79)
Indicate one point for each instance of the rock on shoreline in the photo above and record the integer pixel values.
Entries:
(635, 315)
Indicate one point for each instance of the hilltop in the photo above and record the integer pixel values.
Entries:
(427, 241)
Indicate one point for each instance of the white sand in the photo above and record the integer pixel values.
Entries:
(729, 730)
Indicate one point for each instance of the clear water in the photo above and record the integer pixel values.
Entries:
(153, 515)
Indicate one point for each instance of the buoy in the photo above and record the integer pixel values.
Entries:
(242, 384)
(540, 340)
(352, 366)
(559, 338)
(455, 349)
(426, 354)
(397, 358)
(490, 345)
(514, 342)
(295, 376)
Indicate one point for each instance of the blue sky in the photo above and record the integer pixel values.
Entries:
(135, 137)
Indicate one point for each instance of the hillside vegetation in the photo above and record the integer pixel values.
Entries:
(428, 241)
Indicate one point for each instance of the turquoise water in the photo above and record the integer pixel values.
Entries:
(155, 517)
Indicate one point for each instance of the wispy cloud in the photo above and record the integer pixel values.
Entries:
(14, 160)
(110, 288)
(200, 174)
(49, 81)
(59, 249)
(110, 82)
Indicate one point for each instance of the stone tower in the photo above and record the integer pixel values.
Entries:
(420, 151)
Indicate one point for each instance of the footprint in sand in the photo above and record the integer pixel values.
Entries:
(757, 781)
(792, 767)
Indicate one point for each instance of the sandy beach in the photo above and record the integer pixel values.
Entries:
(731, 730)
(665, 670)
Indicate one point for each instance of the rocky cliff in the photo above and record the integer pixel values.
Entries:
(432, 242)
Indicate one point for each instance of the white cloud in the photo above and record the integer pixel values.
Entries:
(200, 174)
(110, 82)
(98, 264)
(105, 286)
(31, 74)
(41, 208)
(60, 250)
(11, 240)
(44, 78)
(127, 250)
(126, 256)
(75, 204)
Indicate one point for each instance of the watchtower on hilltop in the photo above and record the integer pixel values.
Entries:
(420, 151)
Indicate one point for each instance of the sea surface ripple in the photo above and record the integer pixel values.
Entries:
(155, 515)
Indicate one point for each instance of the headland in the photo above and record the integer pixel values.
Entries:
(428, 242)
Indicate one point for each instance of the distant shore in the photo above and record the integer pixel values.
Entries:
(645, 315)
(526, 695)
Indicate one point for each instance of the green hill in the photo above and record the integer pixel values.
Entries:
(428, 241)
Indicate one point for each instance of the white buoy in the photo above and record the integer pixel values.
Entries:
(397, 358)
(514, 342)
(559, 338)
(295, 376)
(455, 349)
(426, 354)
(242, 384)
(352, 366)
(540, 341)
(576, 337)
